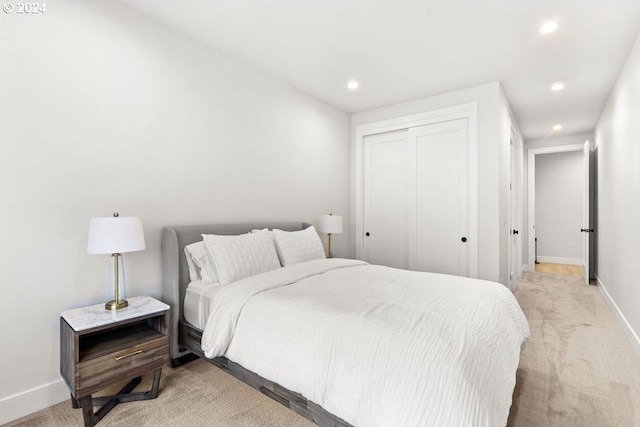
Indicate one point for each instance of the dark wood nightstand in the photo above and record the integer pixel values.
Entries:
(101, 347)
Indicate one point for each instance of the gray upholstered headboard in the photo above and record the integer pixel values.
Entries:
(175, 271)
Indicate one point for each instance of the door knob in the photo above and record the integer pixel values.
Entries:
(464, 239)
(514, 231)
(586, 230)
(366, 234)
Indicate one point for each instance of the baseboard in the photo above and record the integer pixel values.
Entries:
(626, 327)
(30, 401)
(558, 260)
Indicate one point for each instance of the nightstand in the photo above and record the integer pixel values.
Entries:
(101, 347)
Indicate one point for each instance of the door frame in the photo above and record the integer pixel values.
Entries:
(516, 207)
(586, 213)
(531, 193)
(467, 111)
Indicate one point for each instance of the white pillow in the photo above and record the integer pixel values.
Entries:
(263, 230)
(200, 266)
(194, 272)
(298, 246)
(237, 257)
(270, 234)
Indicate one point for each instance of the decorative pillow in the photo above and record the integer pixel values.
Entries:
(298, 246)
(237, 257)
(200, 266)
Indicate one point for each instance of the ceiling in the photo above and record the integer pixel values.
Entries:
(400, 50)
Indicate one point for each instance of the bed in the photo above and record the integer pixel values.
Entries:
(342, 342)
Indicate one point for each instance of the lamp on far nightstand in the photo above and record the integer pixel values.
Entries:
(115, 235)
(330, 224)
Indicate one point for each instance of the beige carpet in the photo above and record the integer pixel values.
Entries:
(576, 370)
(195, 394)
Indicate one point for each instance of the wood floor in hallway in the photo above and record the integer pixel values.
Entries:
(564, 269)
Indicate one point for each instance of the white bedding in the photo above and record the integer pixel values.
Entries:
(375, 345)
(197, 301)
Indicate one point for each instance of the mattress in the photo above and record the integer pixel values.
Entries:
(197, 301)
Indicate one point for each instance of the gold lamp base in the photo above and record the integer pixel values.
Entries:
(329, 254)
(116, 305)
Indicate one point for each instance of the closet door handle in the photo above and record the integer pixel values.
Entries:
(586, 230)
(464, 239)
(366, 234)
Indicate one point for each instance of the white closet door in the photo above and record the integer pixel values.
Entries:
(385, 199)
(439, 229)
(416, 198)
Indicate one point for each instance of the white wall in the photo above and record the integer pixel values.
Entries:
(491, 182)
(559, 205)
(557, 141)
(103, 110)
(617, 137)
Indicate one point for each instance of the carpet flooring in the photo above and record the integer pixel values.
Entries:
(195, 394)
(576, 370)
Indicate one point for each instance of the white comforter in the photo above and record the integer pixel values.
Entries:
(374, 345)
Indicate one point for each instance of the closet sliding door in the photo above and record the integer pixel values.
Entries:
(386, 199)
(416, 198)
(438, 234)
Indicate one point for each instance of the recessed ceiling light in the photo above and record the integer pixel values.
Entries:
(557, 127)
(548, 27)
(353, 85)
(557, 86)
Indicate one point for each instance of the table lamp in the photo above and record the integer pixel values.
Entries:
(330, 224)
(115, 235)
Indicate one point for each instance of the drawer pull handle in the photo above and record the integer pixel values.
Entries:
(133, 353)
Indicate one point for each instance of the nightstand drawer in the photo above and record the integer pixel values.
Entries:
(95, 373)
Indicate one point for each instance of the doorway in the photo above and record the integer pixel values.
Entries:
(558, 209)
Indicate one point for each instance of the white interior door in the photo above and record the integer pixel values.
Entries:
(514, 232)
(438, 201)
(385, 199)
(586, 231)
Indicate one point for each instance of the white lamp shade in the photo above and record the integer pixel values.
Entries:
(331, 224)
(111, 235)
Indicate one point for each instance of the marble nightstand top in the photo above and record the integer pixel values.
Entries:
(93, 316)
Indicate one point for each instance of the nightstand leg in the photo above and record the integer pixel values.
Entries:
(87, 411)
(108, 402)
(75, 403)
(153, 393)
